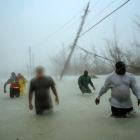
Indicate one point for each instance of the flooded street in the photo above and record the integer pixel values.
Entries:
(68, 39)
(75, 118)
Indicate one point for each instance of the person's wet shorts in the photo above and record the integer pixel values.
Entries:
(14, 92)
(120, 112)
(86, 91)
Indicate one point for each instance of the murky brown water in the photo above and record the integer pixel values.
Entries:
(76, 118)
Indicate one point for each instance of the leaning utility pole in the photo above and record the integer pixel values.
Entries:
(28, 70)
(75, 41)
(30, 61)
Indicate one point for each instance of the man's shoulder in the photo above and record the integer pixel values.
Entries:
(111, 75)
(81, 76)
(8, 81)
(48, 78)
(25, 78)
(129, 74)
(88, 76)
(33, 79)
(18, 76)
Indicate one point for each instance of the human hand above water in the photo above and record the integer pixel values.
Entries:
(57, 100)
(83, 87)
(97, 101)
(138, 102)
(31, 106)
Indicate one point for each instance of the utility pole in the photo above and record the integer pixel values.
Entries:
(75, 41)
(28, 70)
(63, 53)
(30, 61)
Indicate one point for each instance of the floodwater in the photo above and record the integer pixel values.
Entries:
(75, 118)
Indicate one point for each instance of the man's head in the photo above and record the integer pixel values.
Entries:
(40, 71)
(13, 74)
(19, 74)
(85, 72)
(120, 68)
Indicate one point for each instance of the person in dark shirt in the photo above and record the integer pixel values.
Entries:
(83, 82)
(41, 86)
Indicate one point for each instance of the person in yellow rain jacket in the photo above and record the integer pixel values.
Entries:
(22, 83)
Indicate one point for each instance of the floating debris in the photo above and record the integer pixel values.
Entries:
(93, 76)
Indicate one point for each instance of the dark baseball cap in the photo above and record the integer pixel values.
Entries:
(120, 64)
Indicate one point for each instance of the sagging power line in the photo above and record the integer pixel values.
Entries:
(66, 48)
(101, 11)
(95, 5)
(95, 55)
(104, 18)
(60, 28)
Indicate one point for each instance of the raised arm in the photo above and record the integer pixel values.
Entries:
(103, 90)
(135, 88)
(56, 95)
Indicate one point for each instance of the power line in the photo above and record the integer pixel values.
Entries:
(14, 52)
(58, 53)
(95, 4)
(94, 54)
(80, 11)
(65, 25)
(92, 19)
(60, 28)
(75, 41)
(78, 19)
(101, 56)
(104, 18)
(100, 12)
(90, 38)
(63, 30)
(104, 62)
(72, 25)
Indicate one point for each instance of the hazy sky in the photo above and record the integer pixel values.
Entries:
(25, 23)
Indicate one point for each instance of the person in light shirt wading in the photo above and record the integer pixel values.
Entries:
(120, 83)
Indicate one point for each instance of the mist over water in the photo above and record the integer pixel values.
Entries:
(76, 117)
